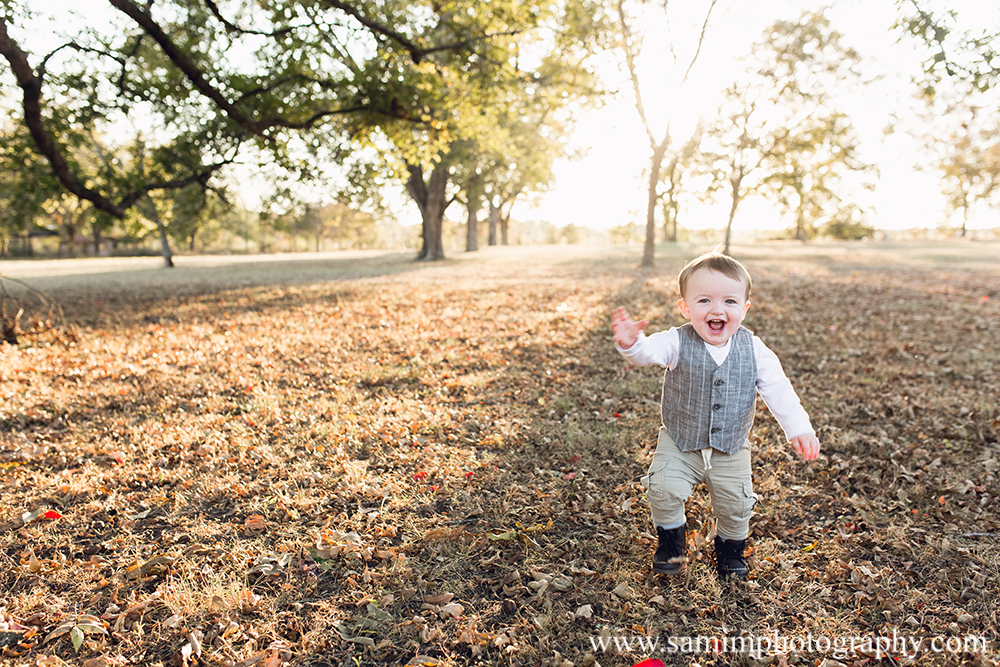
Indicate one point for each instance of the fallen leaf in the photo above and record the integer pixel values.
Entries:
(255, 522)
(622, 590)
(443, 598)
(49, 661)
(28, 517)
(452, 609)
(502, 537)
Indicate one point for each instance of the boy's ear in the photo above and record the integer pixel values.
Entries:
(682, 305)
(746, 307)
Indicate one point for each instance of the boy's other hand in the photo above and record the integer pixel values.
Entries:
(807, 445)
(625, 329)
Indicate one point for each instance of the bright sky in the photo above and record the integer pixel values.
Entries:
(608, 186)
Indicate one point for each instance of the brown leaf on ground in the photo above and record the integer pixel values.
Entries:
(384, 462)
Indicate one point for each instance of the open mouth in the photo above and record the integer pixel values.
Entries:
(716, 326)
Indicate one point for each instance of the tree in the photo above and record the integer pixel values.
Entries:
(738, 148)
(968, 159)
(525, 168)
(967, 54)
(809, 166)
(681, 163)
(962, 69)
(660, 145)
(778, 132)
(405, 79)
(469, 177)
(194, 212)
(515, 159)
(64, 107)
(26, 184)
(347, 227)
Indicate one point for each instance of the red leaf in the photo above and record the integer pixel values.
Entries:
(52, 514)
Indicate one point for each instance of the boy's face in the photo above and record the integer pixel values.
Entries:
(716, 305)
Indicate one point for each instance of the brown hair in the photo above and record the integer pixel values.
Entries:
(715, 261)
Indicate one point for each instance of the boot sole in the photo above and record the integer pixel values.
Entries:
(672, 572)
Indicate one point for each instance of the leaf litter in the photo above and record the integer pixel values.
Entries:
(443, 469)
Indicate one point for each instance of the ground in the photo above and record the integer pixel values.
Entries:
(360, 459)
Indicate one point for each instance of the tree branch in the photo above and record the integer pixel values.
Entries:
(194, 74)
(31, 85)
(232, 27)
(200, 177)
(187, 66)
(417, 54)
(701, 41)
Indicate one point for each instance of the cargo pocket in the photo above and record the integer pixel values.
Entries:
(749, 499)
(654, 481)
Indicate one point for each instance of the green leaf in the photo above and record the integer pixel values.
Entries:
(76, 636)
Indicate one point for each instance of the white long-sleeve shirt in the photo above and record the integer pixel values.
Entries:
(663, 349)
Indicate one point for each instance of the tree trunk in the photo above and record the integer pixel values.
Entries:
(430, 198)
(800, 218)
(96, 229)
(472, 230)
(504, 226)
(732, 211)
(70, 240)
(474, 203)
(652, 197)
(670, 210)
(494, 221)
(154, 215)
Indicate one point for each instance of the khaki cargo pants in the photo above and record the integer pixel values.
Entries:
(673, 474)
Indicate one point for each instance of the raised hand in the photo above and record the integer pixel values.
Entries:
(626, 330)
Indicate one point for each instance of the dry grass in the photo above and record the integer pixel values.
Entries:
(362, 460)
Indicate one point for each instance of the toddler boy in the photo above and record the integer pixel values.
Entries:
(714, 369)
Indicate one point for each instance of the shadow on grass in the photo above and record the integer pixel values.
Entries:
(84, 293)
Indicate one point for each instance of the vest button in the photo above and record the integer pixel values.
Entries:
(716, 407)
(716, 429)
(719, 383)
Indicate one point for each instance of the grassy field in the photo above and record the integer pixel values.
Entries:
(359, 460)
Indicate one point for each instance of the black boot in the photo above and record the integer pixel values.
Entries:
(729, 560)
(671, 552)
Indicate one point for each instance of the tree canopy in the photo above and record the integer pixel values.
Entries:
(300, 80)
(956, 50)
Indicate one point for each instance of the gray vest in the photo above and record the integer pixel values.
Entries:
(707, 405)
